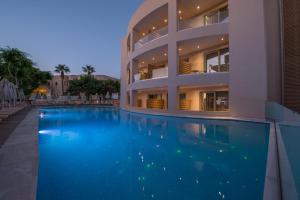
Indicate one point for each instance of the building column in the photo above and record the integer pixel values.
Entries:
(172, 56)
(248, 59)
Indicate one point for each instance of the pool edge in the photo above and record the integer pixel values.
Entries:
(272, 190)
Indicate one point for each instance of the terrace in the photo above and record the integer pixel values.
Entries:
(196, 13)
(151, 65)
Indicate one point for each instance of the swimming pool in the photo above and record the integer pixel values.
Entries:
(104, 153)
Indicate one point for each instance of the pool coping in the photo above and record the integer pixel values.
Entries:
(272, 188)
(253, 120)
(19, 159)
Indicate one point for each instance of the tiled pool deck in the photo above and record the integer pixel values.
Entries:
(19, 163)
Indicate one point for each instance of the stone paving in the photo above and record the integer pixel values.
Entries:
(19, 161)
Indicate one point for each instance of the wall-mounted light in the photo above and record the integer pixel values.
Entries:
(166, 20)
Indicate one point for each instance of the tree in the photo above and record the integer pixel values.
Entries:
(62, 70)
(91, 86)
(89, 70)
(17, 67)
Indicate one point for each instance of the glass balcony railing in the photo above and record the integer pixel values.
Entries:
(151, 36)
(216, 17)
(155, 74)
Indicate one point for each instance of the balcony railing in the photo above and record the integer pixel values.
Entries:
(150, 37)
(186, 69)
(156, 73)
(216, 17)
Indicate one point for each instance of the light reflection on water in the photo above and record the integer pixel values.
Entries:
(104, 153)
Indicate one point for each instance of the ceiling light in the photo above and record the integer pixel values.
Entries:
(144, 34)
(222, 39)
(165, 54)
(180, 17)
(198, 47)
(198, 7)
(180, 49)
(153, 27)
(165, 20)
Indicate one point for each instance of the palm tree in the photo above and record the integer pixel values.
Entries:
(89, 70)
(62, 70)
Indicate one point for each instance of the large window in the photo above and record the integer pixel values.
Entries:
(217, 61)
(215, 101)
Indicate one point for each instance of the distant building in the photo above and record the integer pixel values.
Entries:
(54, 86)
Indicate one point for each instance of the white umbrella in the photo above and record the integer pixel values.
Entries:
(107, 96)
(2, 91)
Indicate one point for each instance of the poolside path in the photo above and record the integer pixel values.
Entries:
(19, 156)
(8, 125)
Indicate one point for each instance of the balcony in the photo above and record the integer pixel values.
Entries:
(150, 37)
(152, 27)
(151, 65)
(208, 55)
(156, 98)
(195, 14)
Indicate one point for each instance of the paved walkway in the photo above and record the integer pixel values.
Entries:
(19, 158)
(8, 125)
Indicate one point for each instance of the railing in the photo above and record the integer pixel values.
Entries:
(186, 69)
(156, 73)
(204, 20)
(150, 37)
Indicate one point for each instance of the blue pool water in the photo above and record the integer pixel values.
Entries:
(92, 153)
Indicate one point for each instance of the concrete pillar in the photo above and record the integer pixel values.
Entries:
(248, 59)
(172, 56)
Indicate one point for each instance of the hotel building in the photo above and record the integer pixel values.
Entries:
(211, 58)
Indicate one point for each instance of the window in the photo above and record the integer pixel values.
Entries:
(222, 99)
(223, 14)
(217, 16)
(215, 101)
(217, 61)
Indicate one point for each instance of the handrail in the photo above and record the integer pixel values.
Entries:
(151, 36)
(199, 21)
